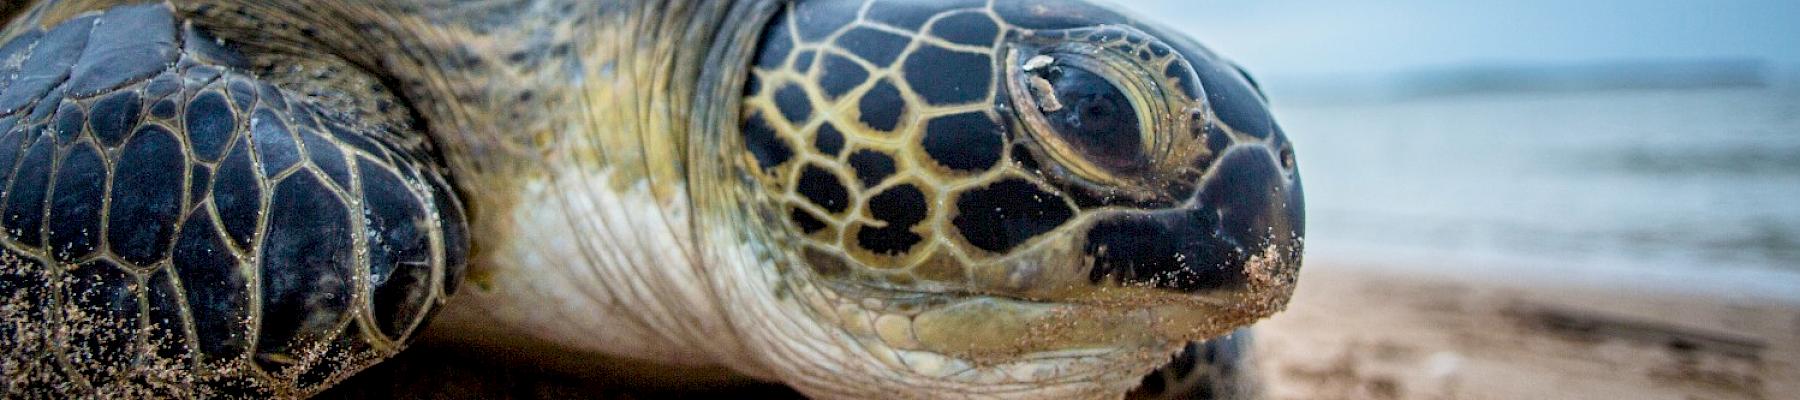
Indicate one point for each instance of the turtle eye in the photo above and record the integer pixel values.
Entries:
(1082, 118)
(1093, 116)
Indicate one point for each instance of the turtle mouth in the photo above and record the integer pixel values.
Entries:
(998, 328)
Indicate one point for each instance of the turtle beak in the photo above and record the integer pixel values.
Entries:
(1234, 246)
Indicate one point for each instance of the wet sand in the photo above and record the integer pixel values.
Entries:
(1382, 331)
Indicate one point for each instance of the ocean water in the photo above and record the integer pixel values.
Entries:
(1653, 179)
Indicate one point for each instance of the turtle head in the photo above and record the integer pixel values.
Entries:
(1020, 178)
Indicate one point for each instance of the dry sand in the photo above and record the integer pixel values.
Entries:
(1387, 330)
(1369, 331)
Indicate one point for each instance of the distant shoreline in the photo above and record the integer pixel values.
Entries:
(1502, 78)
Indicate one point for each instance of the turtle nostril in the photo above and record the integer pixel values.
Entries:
(1287, 157)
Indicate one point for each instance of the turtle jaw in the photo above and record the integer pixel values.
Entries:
(1226, 256)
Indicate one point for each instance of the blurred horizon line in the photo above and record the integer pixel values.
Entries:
(1477, 77)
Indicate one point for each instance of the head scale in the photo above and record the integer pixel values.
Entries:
(1024, 155)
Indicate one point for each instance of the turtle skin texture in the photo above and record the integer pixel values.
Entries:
(851, 108)
(175, 226)
(179, 220)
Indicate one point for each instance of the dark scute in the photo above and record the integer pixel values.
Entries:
(817, 19)
(327, 157)
(1249, 192)
(47, 65)
(1008, 213)
(305, 115)
(47, 106)
(804, 61)
(777, 42)
(102, 298)
(823, 189)
(1023, 158)
(23, 282)
(882, 106)
(164, 109)
(974, 29)
(69, 118)
(1216, 139)
(399, 248)
(1055, 14)
(201, 74)
(794, 105)
(146, 195)
(805, 220)
(25, 200)
(12, 139)
(1186, 82)
(970, 141)
(272, 97)
(1249, 79)
(163, 85)
(945, 77)
(1205, 247)
(115, 115)
(306, 266)
(201, 44)
(1186, 253)
(355, 139)
(840, 75)
(1231, 97)
(218, 291)
(1159, 49)
(243, 93)
(454, 230)
(1097, 118)
(75, 208)
(768, 147)
(167, 333)
(871, 166)
(901, 207)
(237, 196)
(829, 140)
(346, 348)
(274, 144)
(11, 52)
(210, 125)
(876, 47)
(128, 44)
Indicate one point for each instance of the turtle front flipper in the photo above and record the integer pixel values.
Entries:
(1218, 368)
(176, 226)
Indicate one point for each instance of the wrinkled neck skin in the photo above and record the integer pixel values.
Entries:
(596, 147)
(567, 124)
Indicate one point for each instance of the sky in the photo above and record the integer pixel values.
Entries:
(1327, 38)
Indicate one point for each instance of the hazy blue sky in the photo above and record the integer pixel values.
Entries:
(1318, 38)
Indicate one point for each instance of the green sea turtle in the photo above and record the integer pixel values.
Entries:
(856, 198)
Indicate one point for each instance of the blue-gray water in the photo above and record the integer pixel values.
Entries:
(1689, 178)
(1656, 135)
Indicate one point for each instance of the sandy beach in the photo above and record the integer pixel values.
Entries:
(1392, 330)
(1381, 331)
